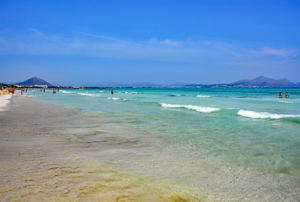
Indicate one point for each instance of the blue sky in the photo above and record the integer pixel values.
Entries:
(163, 42)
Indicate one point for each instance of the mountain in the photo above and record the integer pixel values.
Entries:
(145, 85)
(34, 81)
(258, 82)
(262, 81)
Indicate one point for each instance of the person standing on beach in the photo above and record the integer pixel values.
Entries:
(12, 91)
(287, 95)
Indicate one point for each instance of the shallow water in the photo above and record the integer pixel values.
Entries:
(242, 142)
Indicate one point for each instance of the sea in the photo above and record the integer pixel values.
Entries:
(235, 142)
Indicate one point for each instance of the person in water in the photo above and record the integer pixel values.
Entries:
(280, 94)
(287, 95)
(112, 92)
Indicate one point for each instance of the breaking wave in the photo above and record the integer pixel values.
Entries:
(63, 91)
(113, 98)
(202, 96)
(192, 107)
(288, 102)
(87, 94)
(265, 115)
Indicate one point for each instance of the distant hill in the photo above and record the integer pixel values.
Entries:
(258, 82)
(34, 81)
(262, 81)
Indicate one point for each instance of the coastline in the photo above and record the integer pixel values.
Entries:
(36, 163)
(81, 157)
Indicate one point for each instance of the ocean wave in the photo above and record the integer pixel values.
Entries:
(87, 94)
(63, 91)
(192, 107)
(264, 115)
(288, 102)
(113, 98)
(202, 96)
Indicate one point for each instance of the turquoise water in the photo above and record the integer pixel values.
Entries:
(249, 128)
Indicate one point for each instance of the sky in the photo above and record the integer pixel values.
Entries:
(73, 42)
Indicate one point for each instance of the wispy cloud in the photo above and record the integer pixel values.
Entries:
(169, 42)
(75, 43)
(276, 52)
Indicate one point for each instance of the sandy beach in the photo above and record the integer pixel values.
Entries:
(5, 100)
(38, 164)
(54, 153)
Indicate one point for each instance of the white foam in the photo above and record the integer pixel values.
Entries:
(264, 115)
(63, 91)
(192, 107)
(113, 98)
(87, 94)
(202, 96)
(286, 102)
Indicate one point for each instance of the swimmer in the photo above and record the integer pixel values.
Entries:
(280, 94)
(112, 92)
(287, 95)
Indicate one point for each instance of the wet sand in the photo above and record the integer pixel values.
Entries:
(38, 164)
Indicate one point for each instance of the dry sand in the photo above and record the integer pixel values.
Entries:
(5, 100)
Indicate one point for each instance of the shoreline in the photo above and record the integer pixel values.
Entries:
(37, 164)
(89, 147)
